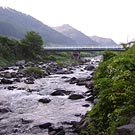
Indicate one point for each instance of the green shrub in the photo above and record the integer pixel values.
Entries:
(108, 54)
(114, 80)
(34, 71)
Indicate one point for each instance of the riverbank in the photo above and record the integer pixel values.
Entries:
(114, 82)
(49, 104)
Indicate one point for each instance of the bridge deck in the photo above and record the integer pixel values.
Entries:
(82, 49)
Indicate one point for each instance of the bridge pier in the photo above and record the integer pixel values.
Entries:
(76, 55)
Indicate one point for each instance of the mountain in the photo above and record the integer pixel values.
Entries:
(103, 41)
(76, 35)
(15, 24)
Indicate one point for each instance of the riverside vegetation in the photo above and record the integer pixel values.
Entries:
(30, 48)
(114, 83)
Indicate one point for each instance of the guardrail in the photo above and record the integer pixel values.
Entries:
(82, 49)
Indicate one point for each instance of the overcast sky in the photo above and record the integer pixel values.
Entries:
(106, 18)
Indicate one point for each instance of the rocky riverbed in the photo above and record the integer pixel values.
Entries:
(47, 105)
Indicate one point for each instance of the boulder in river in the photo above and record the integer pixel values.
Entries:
(86, 105)
(90, 98)
(56, 130)
(4, 110)
(89, 67)
(59, 92)
(89, 84)
(11, 87)
(44, 100)
(45, 125)
(6, 81)
(64, 71)
(73, 80)
(76, 96)
(29, 80)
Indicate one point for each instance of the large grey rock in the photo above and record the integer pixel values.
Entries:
(56, 130)
(126, 129)
(75, 96)
(20, 63)
(45, 125)
(59, 92)
(6, 81)
(90, 67)
(44, 100)
(7, 75)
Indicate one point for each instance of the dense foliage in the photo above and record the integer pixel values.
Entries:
(61, 58)
(28, 48)
(34, 71)
(114, 82)
(32, 44)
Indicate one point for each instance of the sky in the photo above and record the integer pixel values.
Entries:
(105, 18)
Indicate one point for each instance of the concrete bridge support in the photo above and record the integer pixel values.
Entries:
(76, 55)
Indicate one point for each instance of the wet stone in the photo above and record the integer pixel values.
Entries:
(86, 105)
(4, 110)
(45, 125)
(11, 87)
(44, 100)
(60, 92)
(6, 81)
(56, 130)
(76, 96)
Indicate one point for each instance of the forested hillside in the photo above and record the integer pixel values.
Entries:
(16, 24)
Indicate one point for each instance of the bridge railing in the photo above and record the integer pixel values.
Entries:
(91, 48)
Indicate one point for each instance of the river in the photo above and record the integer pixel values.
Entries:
(22, 112)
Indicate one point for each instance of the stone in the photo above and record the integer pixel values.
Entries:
(45, 125)
(125, 130)
(25, 121)
(20, 62)
(11, 87)
(56, 130)
(64, 72)
(6, 81)
(60, 92)
(29, 80)
(7, 75)
(86, 105)
(76, 96)
(73, 80)
(89, 84)
(44, 100)
(96, 100)
(13, 74)
(4, 110)
(89, 67)
(91, 98)
(81, 81)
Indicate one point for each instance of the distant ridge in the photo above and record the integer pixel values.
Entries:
(79, 37)
(103, 41)
(16, 24)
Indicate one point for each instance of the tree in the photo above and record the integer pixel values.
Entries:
(32, 44)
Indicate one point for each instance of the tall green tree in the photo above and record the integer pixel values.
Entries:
(32, 44)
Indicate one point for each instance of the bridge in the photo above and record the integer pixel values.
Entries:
(83, 49)
(76, 50)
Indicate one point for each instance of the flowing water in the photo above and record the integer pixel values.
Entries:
(23, 105)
